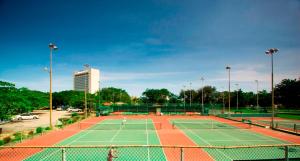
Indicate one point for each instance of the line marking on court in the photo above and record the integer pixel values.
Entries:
(66, 144)
(117, 133)
(195, 143)
(208, 144)
(159, 140)
(147, 135)
(107, 141)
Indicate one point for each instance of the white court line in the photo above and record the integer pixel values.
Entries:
(160, 141)
(66, 144)
(147, 135)
(240, 140)
(209, 144)
(107, 141)
(117, 133)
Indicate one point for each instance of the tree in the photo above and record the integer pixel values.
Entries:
(159, 96)
(112, 94)
(14, 101)
(287, 93)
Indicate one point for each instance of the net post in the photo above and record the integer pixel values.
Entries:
(286, 153)
(181, 154)
(276, 125)
(295, 127)
(63, 152)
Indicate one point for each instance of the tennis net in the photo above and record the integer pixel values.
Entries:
(117, 126)
(211, 125)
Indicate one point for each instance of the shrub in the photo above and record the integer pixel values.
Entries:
(48, 128)
(1, 142)
(63, 120)
(18, 136)
(30, 133)
(69, 121)
(76, 118)
(74, 114)
(39, 130)
(6, 139)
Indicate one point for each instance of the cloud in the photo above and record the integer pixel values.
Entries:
(109, 76)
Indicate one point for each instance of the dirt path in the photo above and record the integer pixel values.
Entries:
(43, 121)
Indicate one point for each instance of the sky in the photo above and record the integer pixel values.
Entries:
(151, 43)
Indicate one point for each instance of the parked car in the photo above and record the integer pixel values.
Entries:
(26, 116)
(59, 109)
(74, 110)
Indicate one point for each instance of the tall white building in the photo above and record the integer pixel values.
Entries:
(87, 79)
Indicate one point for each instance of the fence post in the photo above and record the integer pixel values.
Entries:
(181, 154)
(63, 151)
(286, 152)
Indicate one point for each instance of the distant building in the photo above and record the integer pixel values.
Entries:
(87, 79)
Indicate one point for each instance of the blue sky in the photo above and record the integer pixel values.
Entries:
(151, 43)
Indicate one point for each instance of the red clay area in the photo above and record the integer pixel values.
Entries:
(47, 139)
(170, 136)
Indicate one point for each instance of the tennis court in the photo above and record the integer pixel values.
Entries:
(109, 132)
(290, 125)
(214, 133)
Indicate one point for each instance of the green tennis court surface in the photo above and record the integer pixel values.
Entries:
(109, 132)
(213, 133)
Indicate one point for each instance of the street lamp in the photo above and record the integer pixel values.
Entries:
(202, 79)
(256, 93)
(271, 52)
(85, 89)
(228, 68)
(223, 98)
(99, 93)
(184, 97)
(190, 95)
(51, 47)
(237, 96)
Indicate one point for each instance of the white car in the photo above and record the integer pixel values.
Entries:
(74, 110)
(26, 116)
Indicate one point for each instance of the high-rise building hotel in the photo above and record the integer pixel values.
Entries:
(87, 79)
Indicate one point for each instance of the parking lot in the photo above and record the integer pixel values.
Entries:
(43, 121)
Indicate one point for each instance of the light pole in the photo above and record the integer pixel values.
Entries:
(271, 52)
(99, 94)
(256, 93)
(85, 90)
(223, 101)
(190, 95)
(184, 97)
(52, 47)
(237, 96)
(228, 68)
(202, 79)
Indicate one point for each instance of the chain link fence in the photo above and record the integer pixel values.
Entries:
(156, 153)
